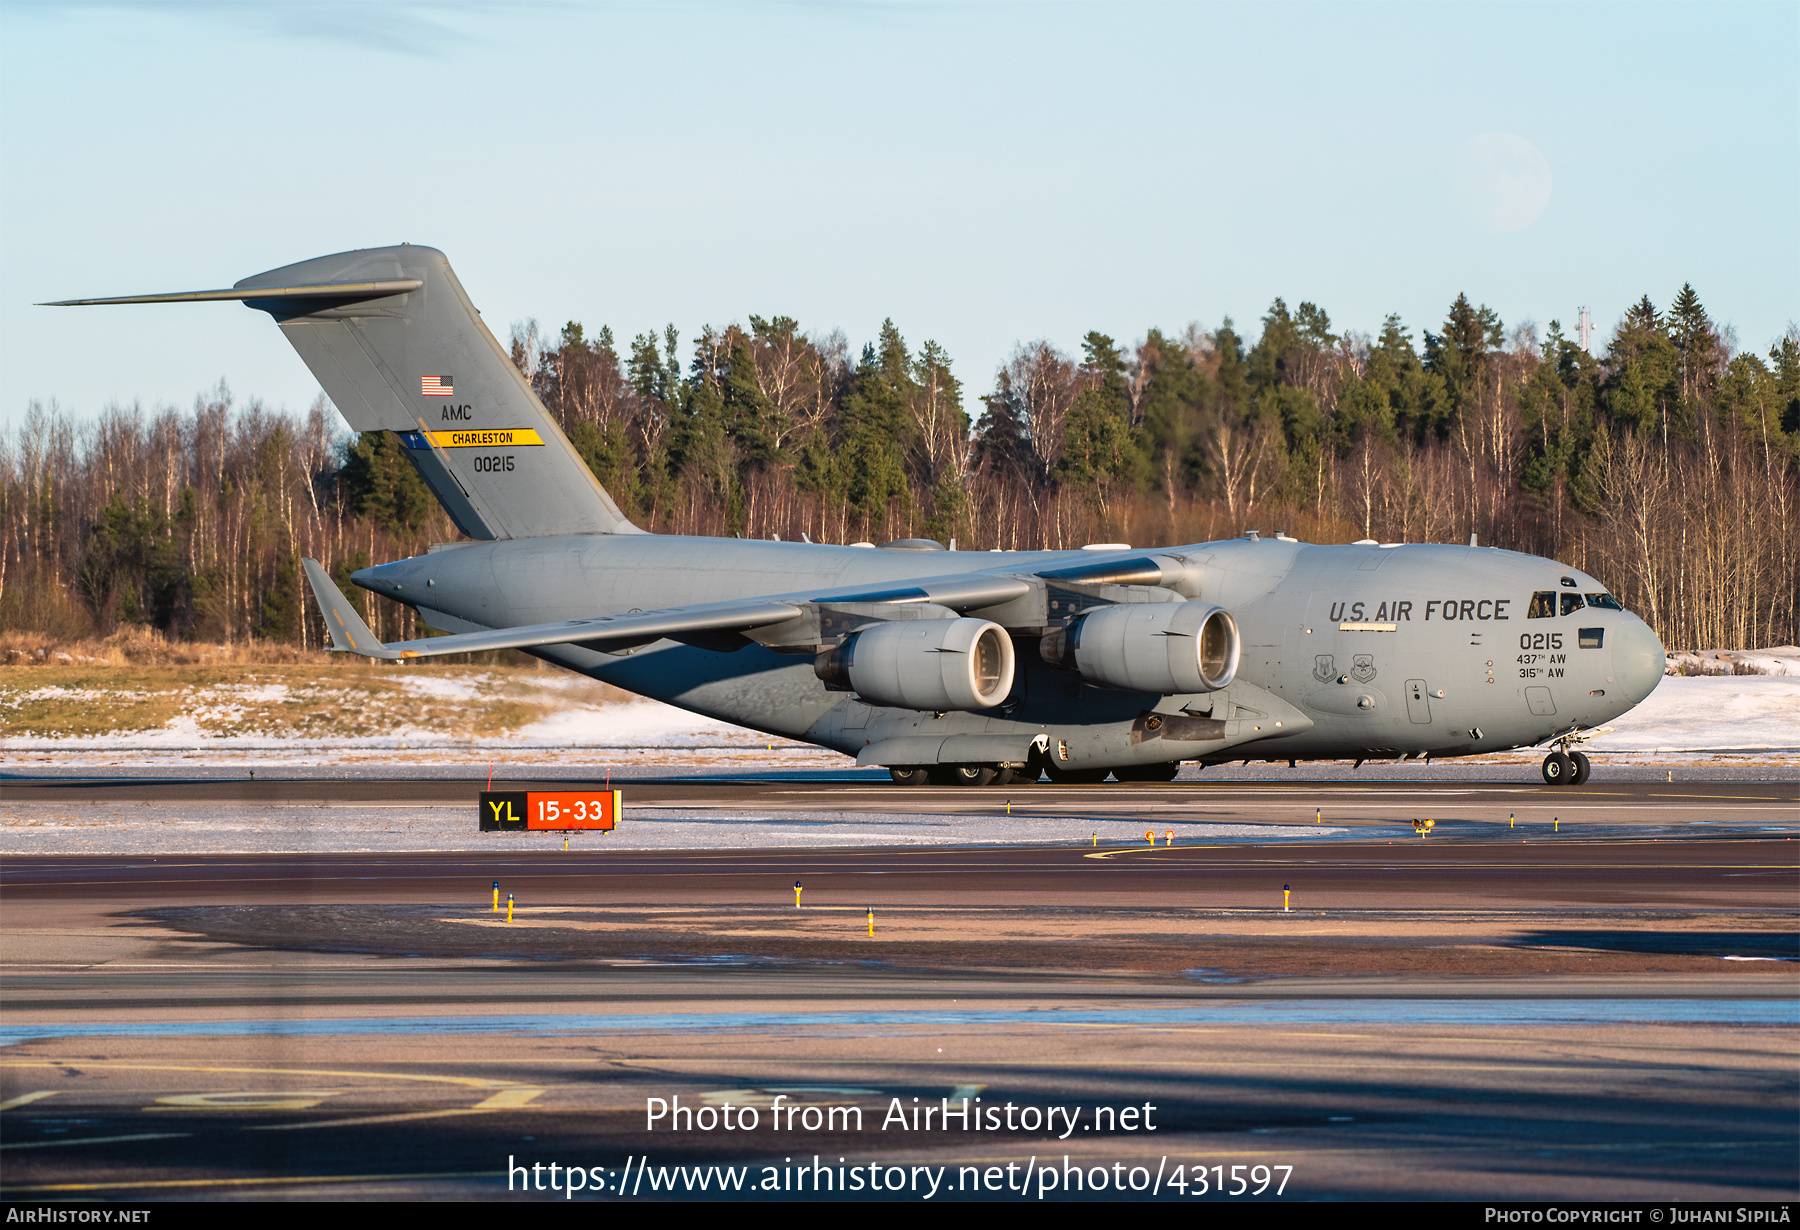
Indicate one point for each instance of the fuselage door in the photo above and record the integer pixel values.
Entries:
(1418, 707)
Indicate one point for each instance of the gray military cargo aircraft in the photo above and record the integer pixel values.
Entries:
(948, 667)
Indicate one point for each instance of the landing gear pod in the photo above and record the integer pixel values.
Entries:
(927, 664)
(1163, 648)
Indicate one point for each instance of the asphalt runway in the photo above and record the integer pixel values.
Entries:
(804, 791)
(1606, 1011)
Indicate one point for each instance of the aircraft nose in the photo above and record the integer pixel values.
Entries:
(1638, 660)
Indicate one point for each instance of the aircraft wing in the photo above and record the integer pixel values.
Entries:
(350, 634)
(959, 592)
(607, 633)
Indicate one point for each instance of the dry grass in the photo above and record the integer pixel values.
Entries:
(143, 647)
(307, 696)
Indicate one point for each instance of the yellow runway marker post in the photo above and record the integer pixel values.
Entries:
(1149, 836)
(871, 922)
(1286, 894)
(796, 894)
(1169, 838)
(496, 896)
(509, 897)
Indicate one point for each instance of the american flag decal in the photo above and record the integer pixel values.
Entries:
(436, 386)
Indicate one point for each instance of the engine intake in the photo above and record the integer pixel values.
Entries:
(926, 664)
(1167, 648)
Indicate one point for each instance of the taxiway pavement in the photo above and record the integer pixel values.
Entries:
(1607, 1011)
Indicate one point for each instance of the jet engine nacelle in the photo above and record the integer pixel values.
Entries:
(926, 664)
(1167, 648)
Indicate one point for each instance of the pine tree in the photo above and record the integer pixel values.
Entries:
(1694, 338)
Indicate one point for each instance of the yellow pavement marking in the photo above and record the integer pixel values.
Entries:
(506, 1099)
(294, 1099)
(26, 1099)
(476, 1082)
(262, 1182)
(404, 1117)
(508, 1095)
(94, 1140)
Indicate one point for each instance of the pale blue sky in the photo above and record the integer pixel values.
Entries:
(983, 173)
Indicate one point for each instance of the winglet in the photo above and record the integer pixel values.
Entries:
(349, 634)
(350, 291)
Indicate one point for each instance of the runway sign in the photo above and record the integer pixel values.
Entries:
(558, 810)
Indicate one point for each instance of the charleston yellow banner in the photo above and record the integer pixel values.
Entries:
(505, 437)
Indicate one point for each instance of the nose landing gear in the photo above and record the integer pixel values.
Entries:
(1565, 768)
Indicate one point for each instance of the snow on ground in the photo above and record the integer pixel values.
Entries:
(1780, 660)
(1686, 716)
(644, 723)
(1710, 713)
(629, 725)
(437, 687)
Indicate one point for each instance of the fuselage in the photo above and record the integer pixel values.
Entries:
(1348, 651)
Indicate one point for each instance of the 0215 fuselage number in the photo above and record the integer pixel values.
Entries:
(493, 465)
(1540, 640)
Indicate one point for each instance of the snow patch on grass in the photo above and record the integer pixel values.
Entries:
(640, 723)
(438, 687)
(1710, 713)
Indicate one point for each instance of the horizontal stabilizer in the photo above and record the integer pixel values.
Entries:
(349, 291)
(603, 633)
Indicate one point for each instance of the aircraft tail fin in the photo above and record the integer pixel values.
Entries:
(397, 345)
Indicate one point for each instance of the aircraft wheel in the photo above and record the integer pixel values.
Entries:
(1582, 768)
(1006, 776)
(971, 774)
(1558, 769)
(907, 777)
(1149, 772)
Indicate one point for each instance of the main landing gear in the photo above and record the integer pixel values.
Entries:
(961, 775)
(999, 775)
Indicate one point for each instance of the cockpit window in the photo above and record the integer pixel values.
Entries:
(1571, 603)
(1605, 602)
(1543, 605)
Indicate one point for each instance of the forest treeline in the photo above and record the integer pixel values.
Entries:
(1669, 466)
